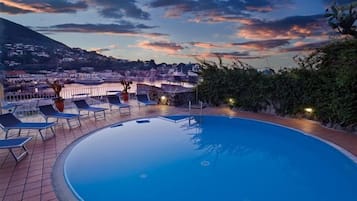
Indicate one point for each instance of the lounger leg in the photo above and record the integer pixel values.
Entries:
(69, 125)
(21, 156)
(6, 133)
(53, 131)
(43, 138)
(18, 134)
(13, 154)
(79, 121)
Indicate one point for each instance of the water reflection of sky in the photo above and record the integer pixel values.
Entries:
(208, 158)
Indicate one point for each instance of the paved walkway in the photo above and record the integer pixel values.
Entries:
(30, 179)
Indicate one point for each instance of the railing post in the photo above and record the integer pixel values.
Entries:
(189, 107)
(201, 107)
(1, 96)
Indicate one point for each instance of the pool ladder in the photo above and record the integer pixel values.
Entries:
(200, 106)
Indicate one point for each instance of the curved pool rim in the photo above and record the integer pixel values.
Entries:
(63, 189)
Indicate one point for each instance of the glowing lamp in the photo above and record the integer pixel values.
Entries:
(231, 101)
(309, 110)
(163, 100)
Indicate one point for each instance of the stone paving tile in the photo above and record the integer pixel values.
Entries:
(31, 178)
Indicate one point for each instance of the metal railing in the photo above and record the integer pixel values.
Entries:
(199, 106)
(66, 93)
(20, 96)
(27, 102)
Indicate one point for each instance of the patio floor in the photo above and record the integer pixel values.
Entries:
(30, 179)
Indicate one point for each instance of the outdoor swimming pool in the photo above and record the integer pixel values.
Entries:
(207, 158)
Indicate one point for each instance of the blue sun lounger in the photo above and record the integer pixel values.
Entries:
(82, 105)
(9, 107)
(9, 121)
(16, 143)
(144, 99)
(48, 111)
(114, 100)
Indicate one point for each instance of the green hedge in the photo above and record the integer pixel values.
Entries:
(326, 81)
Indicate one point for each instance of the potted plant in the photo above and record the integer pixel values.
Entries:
(126, 84)
(57, 88)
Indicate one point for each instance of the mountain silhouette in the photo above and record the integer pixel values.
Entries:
(12, 33)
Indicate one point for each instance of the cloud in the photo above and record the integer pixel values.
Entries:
(301, 46)
(99, 50)
(161, 46)
(226, 55)
(340, 2)
(120, 9)
(263, 44)
(107, 8)
(217, 10)
(286, 28)
(4, 8)
(125, 28)
(230, 54)
(103, 49)
(41, 6)
(204, 45)
(214, 18)
(259, 45)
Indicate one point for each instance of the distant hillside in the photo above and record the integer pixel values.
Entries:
(11, 32)
(24, 49)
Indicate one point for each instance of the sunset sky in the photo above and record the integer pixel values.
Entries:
(260, 32)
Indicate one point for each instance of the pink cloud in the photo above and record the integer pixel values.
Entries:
(293, 27)
(166, 47)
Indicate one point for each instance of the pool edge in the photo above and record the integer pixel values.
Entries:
(61, 188)
(64, 192)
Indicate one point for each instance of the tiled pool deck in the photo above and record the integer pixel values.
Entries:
(30, 179)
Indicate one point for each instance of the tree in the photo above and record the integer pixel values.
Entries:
(343, 18)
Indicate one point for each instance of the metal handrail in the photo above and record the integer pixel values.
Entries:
(190, 107)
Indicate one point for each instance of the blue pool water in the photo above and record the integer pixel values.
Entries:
(208, 158)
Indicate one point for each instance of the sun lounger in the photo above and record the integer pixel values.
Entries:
(9, 107)
(48, 111)
(114, 100)
(9, 121)
(16, 143)
(145, 100)
(82, 105)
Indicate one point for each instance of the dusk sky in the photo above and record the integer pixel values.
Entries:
(260, 32)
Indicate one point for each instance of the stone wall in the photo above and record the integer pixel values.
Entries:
(172, 95)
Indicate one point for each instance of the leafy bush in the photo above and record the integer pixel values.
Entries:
(325, 81)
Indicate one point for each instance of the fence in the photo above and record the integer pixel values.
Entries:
(27, 102)
(66, 93)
